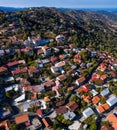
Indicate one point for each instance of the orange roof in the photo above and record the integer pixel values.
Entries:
(5, 124)
(80, 80)
(104, 76)
(47, 122)
(105, 106)
(21, 118)
(87, 99)
(95, 99)
(112, 118)
(2, 69)
(100, 109)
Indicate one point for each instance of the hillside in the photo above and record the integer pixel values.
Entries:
(94, 29)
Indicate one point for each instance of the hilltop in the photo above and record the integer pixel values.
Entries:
(87, 28)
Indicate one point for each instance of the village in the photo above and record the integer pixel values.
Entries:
(56, 86)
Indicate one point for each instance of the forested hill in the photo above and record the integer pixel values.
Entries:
(94, 29)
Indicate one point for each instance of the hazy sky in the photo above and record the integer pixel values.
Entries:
(61, 3)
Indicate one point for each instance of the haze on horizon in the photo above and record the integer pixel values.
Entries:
(60, 3)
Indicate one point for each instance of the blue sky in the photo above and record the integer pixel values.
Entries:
(61, 3)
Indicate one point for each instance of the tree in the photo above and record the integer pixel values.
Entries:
(14, 126)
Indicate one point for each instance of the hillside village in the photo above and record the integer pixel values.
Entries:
(55, 87)
(53, 83)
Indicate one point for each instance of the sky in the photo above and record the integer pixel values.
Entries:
(60, 3)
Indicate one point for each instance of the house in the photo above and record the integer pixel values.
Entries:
(30, 104)
(36, 123)
(4, 125)
(21, 119)
(14, 63)
(87, 99)
(47, 122)
(72, 106)
(69, 115)
(88, 112)
(40, 51)
(46, 50)
(112, 118)
(61, 77)
(11, 87)
(60, 103)
(55, 69)
(105, 92)
(60, 64)
(61, 110)
(104, 77)
(2, 52)
(80, 81)
(60, 38)
(48, 85)
(19, 71)
(111, 101)
(32, 71)
(20, 98)
(94, 92)
(34, 88)
(3, 70)
(75, 126)
(28, 50)
(47, 99)
(107, 127)
(4, 112)
(39, 112)
(100, 109)
(96, 100)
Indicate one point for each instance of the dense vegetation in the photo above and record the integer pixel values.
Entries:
(83, 28)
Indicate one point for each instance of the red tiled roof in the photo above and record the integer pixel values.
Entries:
(47, 122)
(80, 80)
(39, 112)
(3, 69)
(33, 70)
(61, 110)
(18, 71)
(12, 63)
(72, 105)
(21, 119)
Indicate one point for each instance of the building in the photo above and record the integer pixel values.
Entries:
(112, 118)
(4, 125)
(75, 126)
(105, 92)
(61, 110)
(21, 119)
(61, 77)
(111, 101)
(47, 122)
(80, 81)
(88, 112)
(69, 115)
(72, 106)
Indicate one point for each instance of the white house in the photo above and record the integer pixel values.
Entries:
(21, 98)
(69, 115)
(14, 86)
(105, 92)
(88, 112)
(112, 100)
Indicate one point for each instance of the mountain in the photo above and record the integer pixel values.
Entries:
(10, 9)
(94, 29)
